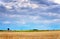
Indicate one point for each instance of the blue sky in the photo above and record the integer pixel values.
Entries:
(29, 14)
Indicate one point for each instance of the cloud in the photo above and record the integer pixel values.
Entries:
(2, 8)
(18, 4)
(26, 12)
(56, 1)
(44, 2)
(8, 7)
(49, 14)
(25, 19)
(6, 22)
(54, 9)
(21, 22)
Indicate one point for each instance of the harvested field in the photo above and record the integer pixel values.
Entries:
(30, 35)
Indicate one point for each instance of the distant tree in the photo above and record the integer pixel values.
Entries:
(35, 29)
(8, 29)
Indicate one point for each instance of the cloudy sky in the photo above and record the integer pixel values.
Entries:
(29, 14)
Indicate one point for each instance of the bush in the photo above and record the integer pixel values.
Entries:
(35, 29)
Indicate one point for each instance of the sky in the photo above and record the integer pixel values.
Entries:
(30, 14)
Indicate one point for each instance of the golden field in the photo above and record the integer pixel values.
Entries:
(30, 35)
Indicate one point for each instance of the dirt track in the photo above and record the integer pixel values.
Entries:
(30, 35)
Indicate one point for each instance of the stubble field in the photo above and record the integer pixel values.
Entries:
(30, 35)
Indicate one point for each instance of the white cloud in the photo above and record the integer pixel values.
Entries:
(21, 22)
(56, 1)
(6, 22)
(51, 14)
(34, 6)
(8, 7)
(19, 4)
(56, 20)
(27, 19)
